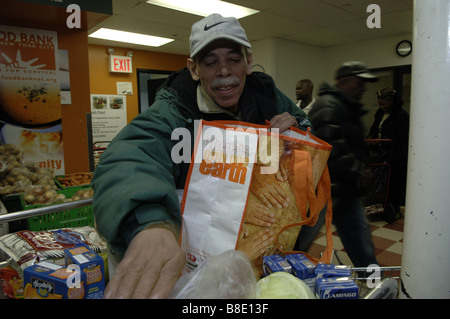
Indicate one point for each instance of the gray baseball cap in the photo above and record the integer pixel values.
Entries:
(215, 27)
(355, 68)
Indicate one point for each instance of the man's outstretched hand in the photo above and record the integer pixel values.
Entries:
(150, 267)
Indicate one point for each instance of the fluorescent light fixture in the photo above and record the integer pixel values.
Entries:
(205, 7)
(129, 37)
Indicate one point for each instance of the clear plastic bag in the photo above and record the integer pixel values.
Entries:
(229, 275)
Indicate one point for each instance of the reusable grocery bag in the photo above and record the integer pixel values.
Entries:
(239, 169)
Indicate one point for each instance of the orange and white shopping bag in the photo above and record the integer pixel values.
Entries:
(239, 170)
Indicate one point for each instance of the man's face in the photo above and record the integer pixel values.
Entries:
(302, 90)
(354, 87)
(222, 69)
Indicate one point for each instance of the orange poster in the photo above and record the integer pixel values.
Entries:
(30, 102)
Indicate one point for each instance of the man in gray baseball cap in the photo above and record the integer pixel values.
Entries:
(142, 220)
(215, 27)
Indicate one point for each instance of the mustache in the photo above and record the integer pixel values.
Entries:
(228, 81)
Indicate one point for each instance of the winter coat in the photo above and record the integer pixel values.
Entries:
(336, 119)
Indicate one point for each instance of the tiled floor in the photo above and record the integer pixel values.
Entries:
(387, 239)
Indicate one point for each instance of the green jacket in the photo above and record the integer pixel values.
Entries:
(136, 180)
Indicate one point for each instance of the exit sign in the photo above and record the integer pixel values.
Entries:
(120, 64)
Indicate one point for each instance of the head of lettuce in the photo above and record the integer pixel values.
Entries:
(282, 285)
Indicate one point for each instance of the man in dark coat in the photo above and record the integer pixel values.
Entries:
(336, 120)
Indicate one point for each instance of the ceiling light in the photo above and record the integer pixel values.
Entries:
(129, 37)
(205, 7)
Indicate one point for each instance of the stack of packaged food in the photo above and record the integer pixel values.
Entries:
(63, 263)
(325, 281)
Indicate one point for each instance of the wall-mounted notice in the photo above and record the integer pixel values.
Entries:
(109, 116)
(124, 88)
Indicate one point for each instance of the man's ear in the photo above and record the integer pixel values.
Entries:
(249, 63)
(192, 66)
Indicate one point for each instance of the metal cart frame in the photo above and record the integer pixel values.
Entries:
(385, 286)
(19, 215)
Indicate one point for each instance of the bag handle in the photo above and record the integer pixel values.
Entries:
(301, 177)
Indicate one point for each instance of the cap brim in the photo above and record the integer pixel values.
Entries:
(368, 77)
(217, 37)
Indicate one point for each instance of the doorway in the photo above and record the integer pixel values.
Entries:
(399, 78)
(149, 82)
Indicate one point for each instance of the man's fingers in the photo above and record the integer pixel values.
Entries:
(168, 277)
(283, 121)
(118, 287)
(146, 284)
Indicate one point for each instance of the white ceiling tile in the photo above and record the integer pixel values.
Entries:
(267, 25)
(401, 21)
(314, 12)
(322, 37)
(261, 5)
(146, 27)
(359, 30)
(359, 7)
(315, 22)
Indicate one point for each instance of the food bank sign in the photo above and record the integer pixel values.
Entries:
(120, 64)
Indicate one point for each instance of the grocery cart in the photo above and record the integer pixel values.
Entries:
(376, 200)
(375, 282)
(55, 215)
(75, 213)
(50, 217)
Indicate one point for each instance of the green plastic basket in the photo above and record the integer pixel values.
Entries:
(76, 217)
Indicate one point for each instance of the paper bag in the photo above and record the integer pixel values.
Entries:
(239, 169)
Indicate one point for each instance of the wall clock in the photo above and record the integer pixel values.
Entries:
(404, 48)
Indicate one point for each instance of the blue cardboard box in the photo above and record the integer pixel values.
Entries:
(46, 280)
(91, 264)
(336, 288)
(302, 267)
(331, 270)
(274, 263)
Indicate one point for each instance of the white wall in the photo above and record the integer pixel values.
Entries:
(287, 61)
(375, 53)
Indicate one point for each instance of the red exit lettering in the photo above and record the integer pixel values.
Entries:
(120, 64)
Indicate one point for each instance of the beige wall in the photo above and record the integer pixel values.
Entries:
(376, 54)
(289, 61)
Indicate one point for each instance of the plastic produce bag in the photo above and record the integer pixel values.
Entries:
(282, 285)
(226, 276)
